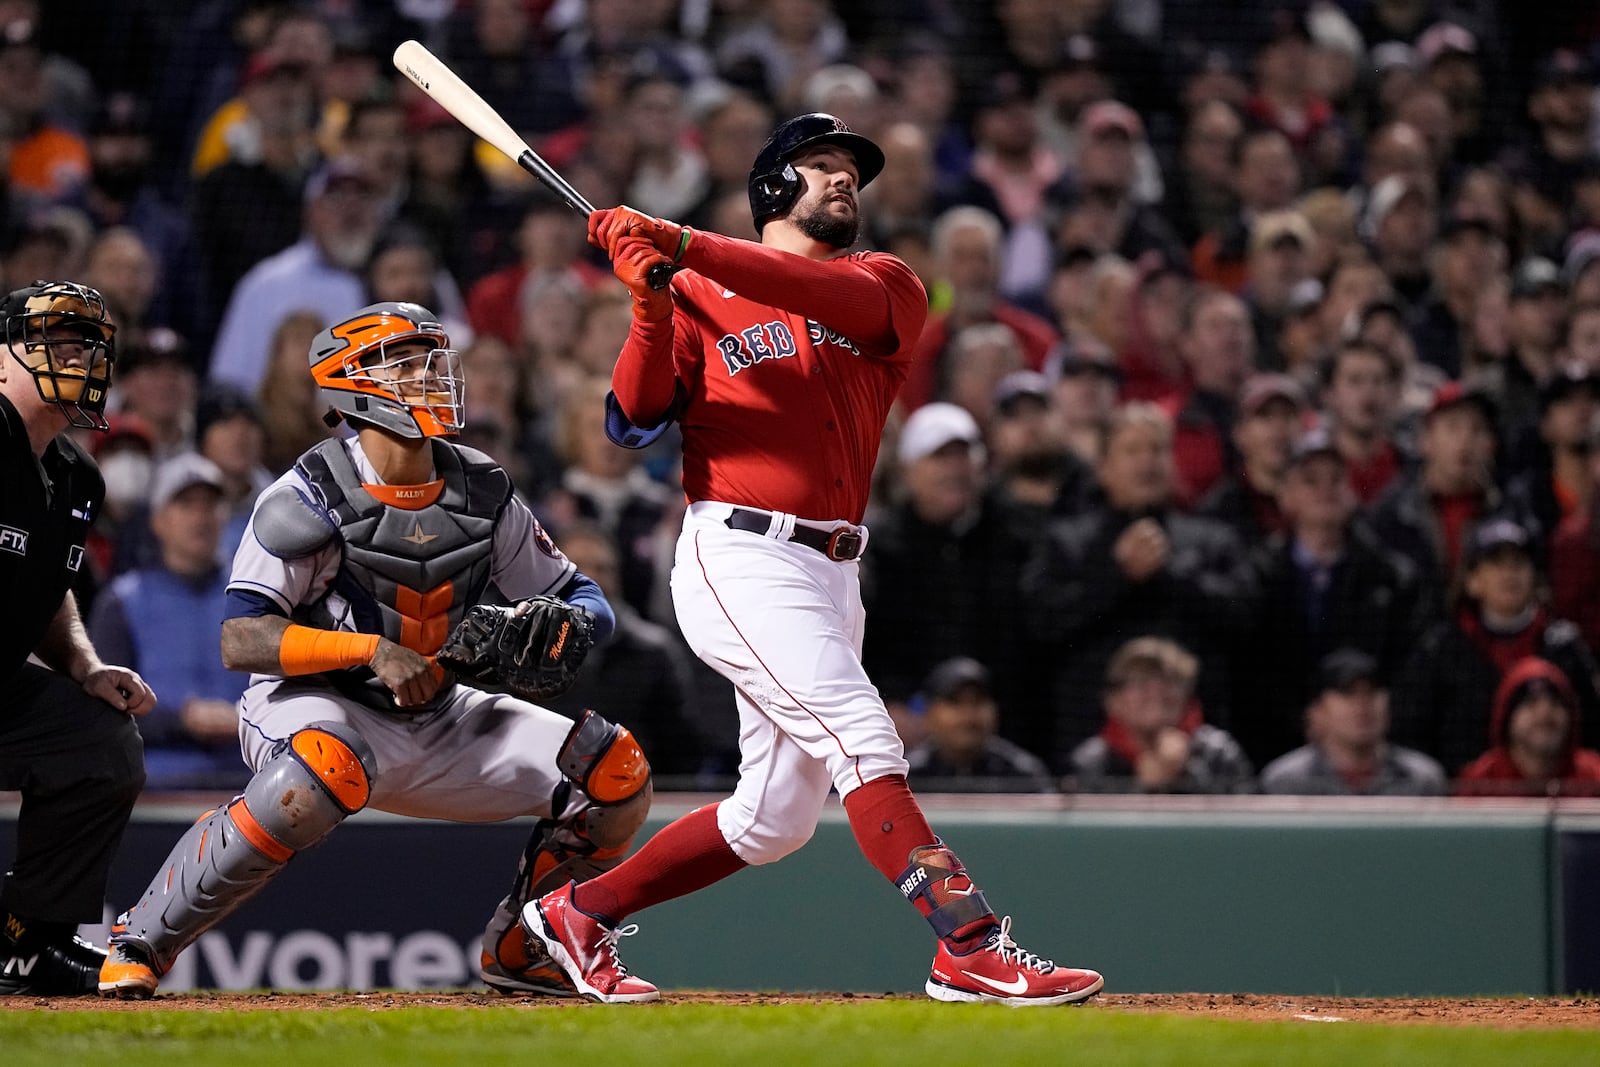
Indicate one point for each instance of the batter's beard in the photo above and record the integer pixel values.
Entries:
(828, 229)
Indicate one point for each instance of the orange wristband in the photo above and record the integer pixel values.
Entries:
(306, 650)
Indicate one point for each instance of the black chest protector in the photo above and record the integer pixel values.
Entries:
(408, 574)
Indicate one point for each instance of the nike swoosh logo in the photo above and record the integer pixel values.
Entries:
(1015, 988)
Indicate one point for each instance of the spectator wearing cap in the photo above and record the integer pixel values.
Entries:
(1561, 105)
(1218, 349)
(317, 273)
(1453, 62)
(1549, 475)
(962, 752)
(1085, 381)
(47, 159)
(1535, 324)
(1347, 751)
(165, 617)
(121, 192)
(1154, 737)
(1535, 739)
(125, 454)
(1400, 225)
(1429, 513)
(968, 244)
(267, 171)
(1443, 702)
(1266, 177)
(1106, 181)
(1071, 87)
(1129, 566)
(156, 383)
(1326, 583)
(1280, 253)
(1272, 412)
(945, 570)
(1033, 472)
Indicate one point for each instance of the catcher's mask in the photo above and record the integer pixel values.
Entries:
(390, 365)
(61, 334)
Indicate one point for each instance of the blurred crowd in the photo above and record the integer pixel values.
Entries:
(1254, 441)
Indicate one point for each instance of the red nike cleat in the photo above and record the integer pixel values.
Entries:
(585, 948)
(1000, 970)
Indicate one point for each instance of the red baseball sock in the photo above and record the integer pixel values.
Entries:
(683, 856)
(889, 826)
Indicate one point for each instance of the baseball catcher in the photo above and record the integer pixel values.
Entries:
(366, 593)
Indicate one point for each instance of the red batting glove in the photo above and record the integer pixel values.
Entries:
(608, 227)
(632, 261)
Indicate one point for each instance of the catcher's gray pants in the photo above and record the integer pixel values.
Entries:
(478, 757)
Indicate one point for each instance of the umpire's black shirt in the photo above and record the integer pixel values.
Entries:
(46, 504)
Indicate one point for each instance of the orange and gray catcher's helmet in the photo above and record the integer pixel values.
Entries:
(390, 365)
(61, 334)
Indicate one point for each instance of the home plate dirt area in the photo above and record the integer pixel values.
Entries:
(1503, 1013)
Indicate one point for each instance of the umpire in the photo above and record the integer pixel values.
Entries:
(67, 736)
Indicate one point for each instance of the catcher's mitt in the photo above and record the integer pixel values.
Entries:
(533, 648)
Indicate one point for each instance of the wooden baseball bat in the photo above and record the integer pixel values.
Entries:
(432, 76)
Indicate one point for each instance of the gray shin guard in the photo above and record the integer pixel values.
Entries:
(313, 780)
(584, 837)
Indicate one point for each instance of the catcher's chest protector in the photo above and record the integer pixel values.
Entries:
(411, 574)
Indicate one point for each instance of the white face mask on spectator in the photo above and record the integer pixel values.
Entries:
(127, 477)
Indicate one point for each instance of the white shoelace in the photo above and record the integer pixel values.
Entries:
(1015, 954)
(609, 942)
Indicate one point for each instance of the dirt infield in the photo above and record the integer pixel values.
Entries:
(1508, 1013)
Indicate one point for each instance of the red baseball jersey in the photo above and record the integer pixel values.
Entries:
(790, 366)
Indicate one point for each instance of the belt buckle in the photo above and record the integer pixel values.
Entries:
(843, 545)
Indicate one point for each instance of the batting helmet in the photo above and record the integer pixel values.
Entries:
(774, 185)
(417, 391)
(46, 319)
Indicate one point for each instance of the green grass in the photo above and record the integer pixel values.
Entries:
(904, 1034)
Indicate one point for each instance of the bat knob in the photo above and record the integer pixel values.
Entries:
(660, 275)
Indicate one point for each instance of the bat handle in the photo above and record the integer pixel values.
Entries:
(660, 275)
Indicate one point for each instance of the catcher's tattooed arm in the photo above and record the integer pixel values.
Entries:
(271, 644)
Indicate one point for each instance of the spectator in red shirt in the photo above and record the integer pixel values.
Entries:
(1534, 739)
(966, 251)
(550, 242)
(1360, 394)
(1218, 348)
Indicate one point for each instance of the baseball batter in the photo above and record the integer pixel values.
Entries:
(356, 566)
(780, 360)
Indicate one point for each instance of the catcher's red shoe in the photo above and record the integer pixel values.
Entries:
(585, 948)
(1002, 971)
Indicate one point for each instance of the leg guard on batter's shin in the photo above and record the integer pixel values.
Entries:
(937, 883)
(584, 836)
(313, 780)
